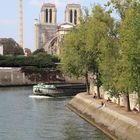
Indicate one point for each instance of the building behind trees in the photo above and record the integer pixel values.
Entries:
(48, 34)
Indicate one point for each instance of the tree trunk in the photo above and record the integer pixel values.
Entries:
(87, 82)
(138, 92)
(98, 92)
(139, 100)
(98, 85)
(119, 101)
(128, 102)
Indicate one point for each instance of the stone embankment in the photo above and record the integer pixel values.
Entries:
(119, 125)
(13, 76)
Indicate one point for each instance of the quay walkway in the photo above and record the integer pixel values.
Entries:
(112, 119)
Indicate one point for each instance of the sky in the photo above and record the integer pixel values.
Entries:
(9, 16)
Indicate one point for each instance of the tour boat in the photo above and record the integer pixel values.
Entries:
(54, 90)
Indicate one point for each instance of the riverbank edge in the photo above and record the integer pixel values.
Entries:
(23, 85)
(32, 84)
(113, 124)
(92, 122)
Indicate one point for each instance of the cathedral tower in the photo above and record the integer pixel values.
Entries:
(48, 14)
(48, 33)
(73, 13)
(45, 28)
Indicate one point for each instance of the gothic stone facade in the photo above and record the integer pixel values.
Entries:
(48, 34)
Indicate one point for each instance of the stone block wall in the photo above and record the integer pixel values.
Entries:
(13, 76)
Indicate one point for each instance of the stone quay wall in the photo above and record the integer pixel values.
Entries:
(13, 76)
(10, 76)
(114, 124)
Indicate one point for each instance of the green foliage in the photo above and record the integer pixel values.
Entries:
(36, 67)
(34, 73)
(81, 50)
(130, 39)
(39, 60)
(38, 51)
(70, 55)
(121, 6)
(120, 52)
(108, 49)
(18, 51)
(82, 45)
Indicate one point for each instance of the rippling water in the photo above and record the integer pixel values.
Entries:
(23, 117)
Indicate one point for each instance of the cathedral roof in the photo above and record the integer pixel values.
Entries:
(48, 5)
(66, 23)
(65, 26)
(73, 5)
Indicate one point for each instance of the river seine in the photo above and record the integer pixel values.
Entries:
(23, 117)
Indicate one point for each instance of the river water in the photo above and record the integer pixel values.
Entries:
(23, 117)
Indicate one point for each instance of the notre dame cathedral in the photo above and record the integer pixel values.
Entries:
(48, 34)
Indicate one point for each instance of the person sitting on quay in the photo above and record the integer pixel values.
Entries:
(109, 100)
(135, 110)
(102, 105)
(95, 96)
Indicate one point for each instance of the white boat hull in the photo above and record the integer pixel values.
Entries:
(58, 90)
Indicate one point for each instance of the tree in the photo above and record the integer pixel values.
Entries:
(120, 6)
(109, 64)
(73, 54)
(130, 39)
(99, 27)
(81, 48)
(17, 51)
(127, 36)
(38, 51)
(39, 60)
(11, 47)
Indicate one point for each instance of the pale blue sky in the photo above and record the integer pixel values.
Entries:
(9, 17)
